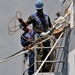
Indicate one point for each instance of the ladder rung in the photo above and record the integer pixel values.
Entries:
(53, 61)
(49, 47)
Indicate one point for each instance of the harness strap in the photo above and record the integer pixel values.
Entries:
(39, 23)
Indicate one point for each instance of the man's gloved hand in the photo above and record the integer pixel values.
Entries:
(20, 20)
(44, 33)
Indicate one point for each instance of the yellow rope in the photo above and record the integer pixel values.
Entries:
(28, 39)
(37, 30)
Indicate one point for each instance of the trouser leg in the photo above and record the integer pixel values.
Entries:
(46, 67)
(31, 61)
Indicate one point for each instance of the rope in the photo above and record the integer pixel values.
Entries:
(37, 30)
(24, 50)
(27, 39)
(15, 27)
(20, 15)
(14, 55)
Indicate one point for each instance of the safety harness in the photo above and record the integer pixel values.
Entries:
(39, 26)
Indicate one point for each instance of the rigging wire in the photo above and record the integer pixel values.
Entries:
(24, 50)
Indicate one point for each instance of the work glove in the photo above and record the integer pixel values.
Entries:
(20, 20)
(43, 34)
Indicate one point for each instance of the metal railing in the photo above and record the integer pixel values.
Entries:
(49, 53)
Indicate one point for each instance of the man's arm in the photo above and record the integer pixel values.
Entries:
(49, 29)
(25, 24)
(22, 22)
